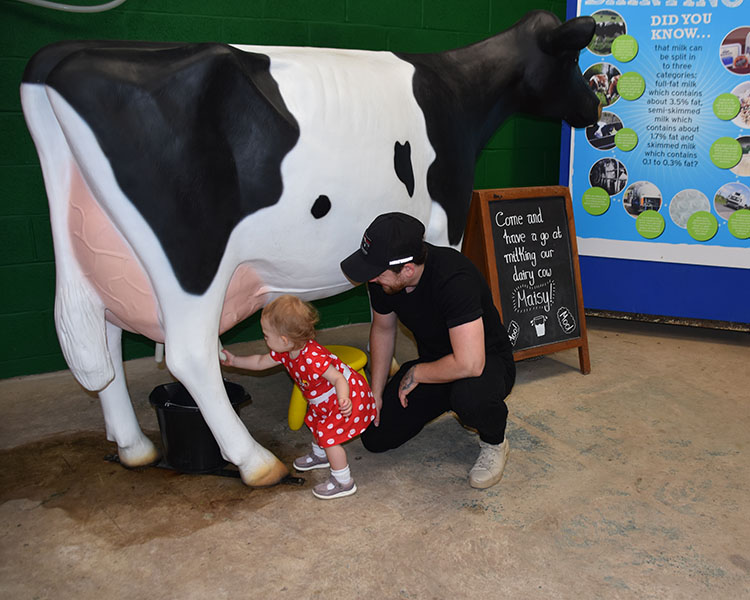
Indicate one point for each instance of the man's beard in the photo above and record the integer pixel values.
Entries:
(392, 290)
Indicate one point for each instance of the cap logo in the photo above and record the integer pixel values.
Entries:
(400, 261)
(365, 246)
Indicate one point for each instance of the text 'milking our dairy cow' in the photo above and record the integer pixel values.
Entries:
(189, 184)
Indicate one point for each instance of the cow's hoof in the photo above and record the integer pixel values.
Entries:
(269, 473)
(140, 454)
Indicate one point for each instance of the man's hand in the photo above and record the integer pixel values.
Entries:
(408, 383)
(378, 404)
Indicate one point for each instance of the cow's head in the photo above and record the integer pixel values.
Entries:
(552, 83)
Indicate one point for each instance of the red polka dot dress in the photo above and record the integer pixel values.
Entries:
(323, 417)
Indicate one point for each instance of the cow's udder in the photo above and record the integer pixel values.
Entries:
(108, 262)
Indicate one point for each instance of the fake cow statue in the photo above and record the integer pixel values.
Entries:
(189, 184)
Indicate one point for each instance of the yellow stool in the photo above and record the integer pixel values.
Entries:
(354, 357)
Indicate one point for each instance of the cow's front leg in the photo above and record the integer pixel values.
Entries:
(193, 358)
(133, 448)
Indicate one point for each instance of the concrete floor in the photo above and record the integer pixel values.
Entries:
(629, 482)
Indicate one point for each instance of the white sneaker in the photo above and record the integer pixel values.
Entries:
(488, 469)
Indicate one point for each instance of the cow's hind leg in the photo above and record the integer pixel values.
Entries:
(133, 447)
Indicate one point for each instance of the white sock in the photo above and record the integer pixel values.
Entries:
(318, 451)
(343, 476)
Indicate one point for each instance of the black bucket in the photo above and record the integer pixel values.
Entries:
(189, 445)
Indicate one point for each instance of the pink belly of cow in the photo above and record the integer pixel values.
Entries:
(109, 264)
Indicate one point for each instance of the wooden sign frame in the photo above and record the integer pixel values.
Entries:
(479, 246)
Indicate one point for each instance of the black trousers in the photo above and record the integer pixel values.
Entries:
(478, 401)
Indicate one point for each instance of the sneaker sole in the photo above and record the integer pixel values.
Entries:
(339, 495)
(317, 466)
(483, 485)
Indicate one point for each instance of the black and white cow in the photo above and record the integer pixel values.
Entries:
(191, 183)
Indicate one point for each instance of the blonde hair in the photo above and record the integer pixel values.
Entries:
(291, 317)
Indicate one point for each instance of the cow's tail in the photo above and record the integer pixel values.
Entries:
(81, 329)
(79, 312)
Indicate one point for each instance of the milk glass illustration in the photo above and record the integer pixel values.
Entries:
(539, 324)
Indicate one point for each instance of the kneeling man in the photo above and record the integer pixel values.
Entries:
(465, 361)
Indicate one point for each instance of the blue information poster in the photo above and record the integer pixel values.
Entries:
(665, 173)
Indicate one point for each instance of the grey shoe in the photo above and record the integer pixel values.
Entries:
(309, 462)
(488, 469)
(330, 489)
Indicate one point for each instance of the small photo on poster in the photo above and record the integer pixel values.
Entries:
(609, 25)
(685, 203)
(602, 79)
(742, 91)
(742, 168)
(735, 51)
(601, 135)
(731, 197)
(640, 196)
(609, 174)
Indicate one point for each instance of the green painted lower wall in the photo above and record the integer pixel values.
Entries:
(524, 151)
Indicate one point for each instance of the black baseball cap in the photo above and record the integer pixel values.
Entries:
(391, 239)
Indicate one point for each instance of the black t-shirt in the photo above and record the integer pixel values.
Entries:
(450, 292)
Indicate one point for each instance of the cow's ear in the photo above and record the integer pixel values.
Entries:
(571, 35)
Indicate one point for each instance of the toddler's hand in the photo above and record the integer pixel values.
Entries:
(345, 405)
(226, 358)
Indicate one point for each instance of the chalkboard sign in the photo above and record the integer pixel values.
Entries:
(523, 240)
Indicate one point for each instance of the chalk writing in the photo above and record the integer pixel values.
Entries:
(534, 266)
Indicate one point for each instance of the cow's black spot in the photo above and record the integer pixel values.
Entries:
(321, 207)
(195, 135)
(402, 164)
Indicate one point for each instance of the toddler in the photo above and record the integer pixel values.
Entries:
(340, 402)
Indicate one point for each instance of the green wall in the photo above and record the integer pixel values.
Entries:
(524, 151)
